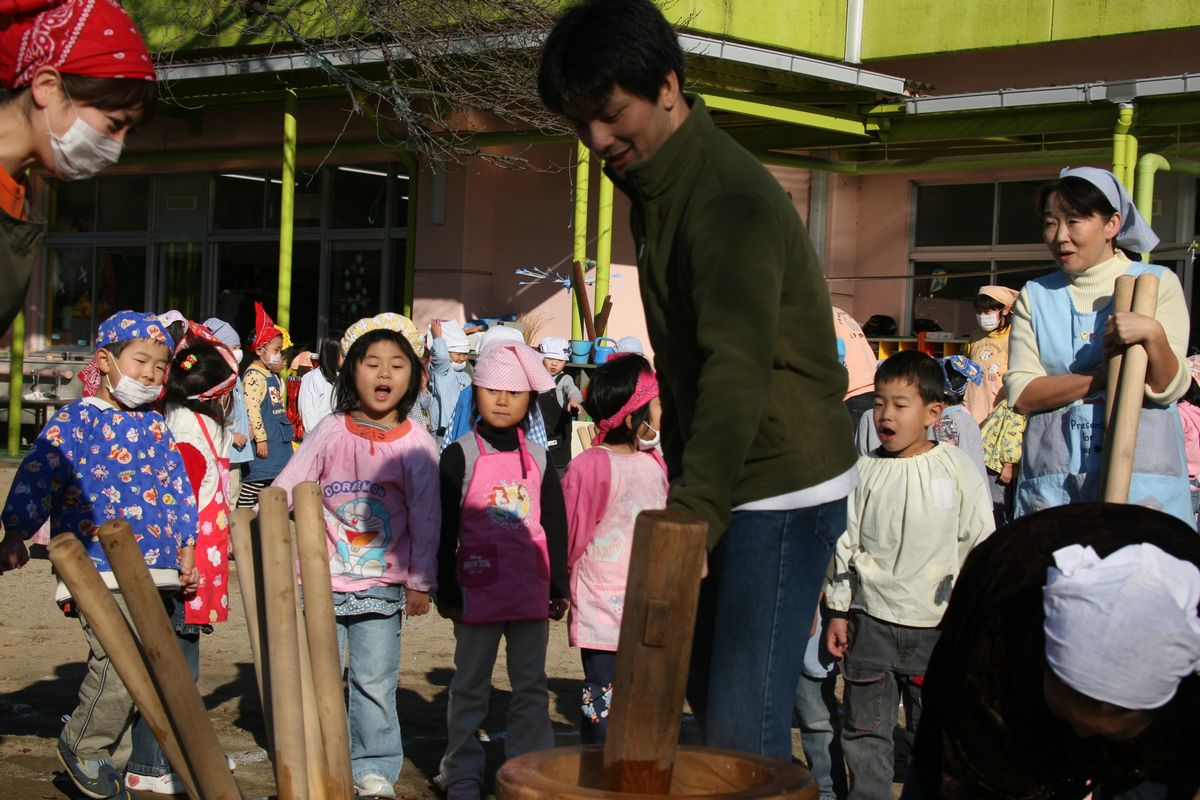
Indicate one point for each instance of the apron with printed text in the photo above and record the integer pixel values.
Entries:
(1064, 446)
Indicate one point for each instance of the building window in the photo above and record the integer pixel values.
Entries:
(208, 245)
(966, 236)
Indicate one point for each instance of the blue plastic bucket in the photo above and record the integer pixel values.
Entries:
(580, 350)
(605, 347)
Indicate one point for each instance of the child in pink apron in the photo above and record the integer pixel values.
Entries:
(198, 397)
(605, 488)
(502, 568)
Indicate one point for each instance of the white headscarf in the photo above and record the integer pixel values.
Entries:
(1122, 629)
(1135, 234)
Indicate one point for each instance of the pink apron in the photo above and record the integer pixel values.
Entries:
(599, 577)
(211, 601)
(503, 563)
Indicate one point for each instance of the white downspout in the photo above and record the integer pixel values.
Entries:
(854, 28)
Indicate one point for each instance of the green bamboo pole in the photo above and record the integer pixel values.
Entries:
(583, 158)
(287, 209)
(603, 244)
(16, 384)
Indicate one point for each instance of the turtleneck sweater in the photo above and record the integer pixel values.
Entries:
(1092, 289)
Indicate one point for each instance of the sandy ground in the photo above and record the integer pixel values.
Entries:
(42, 657)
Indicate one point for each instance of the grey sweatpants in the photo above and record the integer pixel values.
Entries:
(101, 725)
(528, 711)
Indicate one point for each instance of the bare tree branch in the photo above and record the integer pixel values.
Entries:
(445, 69)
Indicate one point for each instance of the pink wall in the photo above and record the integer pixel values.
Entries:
(498, 220)
(869, 233)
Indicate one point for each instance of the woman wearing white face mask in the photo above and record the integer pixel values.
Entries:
(79, 77)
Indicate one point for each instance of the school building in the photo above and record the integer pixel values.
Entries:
(910, 134)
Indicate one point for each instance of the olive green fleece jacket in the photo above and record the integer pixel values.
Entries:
(741, 323)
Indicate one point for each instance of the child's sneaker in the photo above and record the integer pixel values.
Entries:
(95, 778)
(373, 786)
(155, 784)
(463, 790)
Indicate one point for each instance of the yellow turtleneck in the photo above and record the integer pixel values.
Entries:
(1091, 290)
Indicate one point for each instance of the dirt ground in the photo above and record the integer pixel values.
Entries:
(42, 657)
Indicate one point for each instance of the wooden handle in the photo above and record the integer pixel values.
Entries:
(1122, 301)
(314, 747)
(661, 594)
(96, 602)
(279, 599)
(1121, 436)
(180, 696)
(602, 317)
(585, 308)
(322, 637)
(243, 533)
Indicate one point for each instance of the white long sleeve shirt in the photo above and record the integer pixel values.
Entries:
(909, 526)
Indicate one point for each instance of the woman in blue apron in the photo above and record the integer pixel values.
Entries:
(1062, 324)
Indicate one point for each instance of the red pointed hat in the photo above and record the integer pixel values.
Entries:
(264, 327)
(94, 38)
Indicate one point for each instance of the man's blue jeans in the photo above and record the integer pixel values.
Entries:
(148, 758)
(756, 609)
(373, 641)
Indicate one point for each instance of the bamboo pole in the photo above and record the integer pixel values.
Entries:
(97, 604)
(1122, 301)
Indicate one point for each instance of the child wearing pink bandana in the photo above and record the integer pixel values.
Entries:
(605, 489)
(502, 569)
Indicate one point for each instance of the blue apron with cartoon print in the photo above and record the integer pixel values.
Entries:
(273, 409)
(1064, 446)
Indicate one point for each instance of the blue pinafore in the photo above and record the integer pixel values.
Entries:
(1063, 446)
(279, 432)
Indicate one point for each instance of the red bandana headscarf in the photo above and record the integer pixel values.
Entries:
(93, 38)
(264, 327)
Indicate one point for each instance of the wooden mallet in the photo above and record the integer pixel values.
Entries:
(97, 604)
(650, 679)
(1120, 445)
(279, 599)
(243, 532)
(179, 693)
(322, 638)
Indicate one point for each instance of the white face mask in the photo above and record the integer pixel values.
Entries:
(458, 366)
(132, 393)
(274, 360)
(989, 321)
(237, 356)
(649, 444)
(82, 151)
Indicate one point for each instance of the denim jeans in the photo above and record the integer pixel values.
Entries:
(820, 733)
(598, 669)
(755, 612)
(373, 642)
(884, 662)
(148, 758)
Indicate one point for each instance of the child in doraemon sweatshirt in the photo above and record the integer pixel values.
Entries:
(379, 481)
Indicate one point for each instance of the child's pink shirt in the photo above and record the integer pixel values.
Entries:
(383, 512)
(1189, 415)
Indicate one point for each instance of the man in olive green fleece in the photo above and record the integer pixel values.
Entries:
(755, 435)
